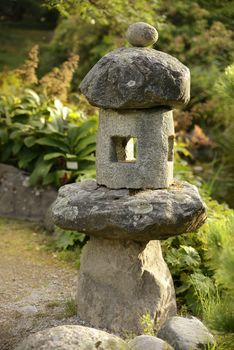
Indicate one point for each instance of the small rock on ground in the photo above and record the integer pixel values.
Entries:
(147, 342)
(186, 333)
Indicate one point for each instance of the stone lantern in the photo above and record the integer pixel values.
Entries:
(136, 88)
(135, 202)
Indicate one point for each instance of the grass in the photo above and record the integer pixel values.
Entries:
(224, 341)
(70, 308)
(33, 242)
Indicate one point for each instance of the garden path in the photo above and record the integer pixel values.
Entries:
(37, 289)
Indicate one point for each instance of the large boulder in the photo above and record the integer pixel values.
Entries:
(121, 282)
(137, 78)
(72, 338)
(186, 334)
(125, 214)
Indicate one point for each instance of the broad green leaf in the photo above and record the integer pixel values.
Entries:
(25, 156)
(70, 156)
(41, 169)
(46, 141)
(89, 158)
(17, 134)
(73, 134)
(50, 178)
(85, 129)
(3, 135)
(87, 151)
(16, 147)
(85, 142)
(53, 155)
(6, 151)
(30, 141)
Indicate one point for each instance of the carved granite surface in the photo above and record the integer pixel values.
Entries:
(137, 78)
(129, 215)
(152, 128)
(120, 281)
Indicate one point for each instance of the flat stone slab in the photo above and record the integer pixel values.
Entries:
(129, 214)
(137, 78)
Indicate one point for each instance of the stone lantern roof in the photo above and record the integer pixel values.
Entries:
(137, 77)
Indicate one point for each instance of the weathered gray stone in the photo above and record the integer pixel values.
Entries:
(19, 200)
(142, 34)
(147, 342)
(154, 133)
(126, 214)
(119, 282)
(186, 333)
(137, 78)
(72, 338)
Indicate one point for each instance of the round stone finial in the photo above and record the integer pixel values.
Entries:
(141, 34)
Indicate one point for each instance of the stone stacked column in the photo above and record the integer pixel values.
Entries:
(135, 201)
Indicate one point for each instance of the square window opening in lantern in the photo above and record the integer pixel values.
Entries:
(123, 149)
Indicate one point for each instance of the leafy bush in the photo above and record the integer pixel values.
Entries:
(202, 263)
(54, 143)
(67, 239)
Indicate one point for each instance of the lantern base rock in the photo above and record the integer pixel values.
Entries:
(121, 281)
(139, 215)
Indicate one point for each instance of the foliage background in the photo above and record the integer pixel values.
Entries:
(45, 123)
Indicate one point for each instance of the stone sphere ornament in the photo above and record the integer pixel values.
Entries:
(141, 34)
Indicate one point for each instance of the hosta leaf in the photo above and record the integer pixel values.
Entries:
(41, 169)
(6, 151)
(85, 142)
(85, 129)
(87, 151)
(89, 158)
(71, 156)
(47, 141)
(17, 133)
(16, 147)
(53, 155)
(72, 134)
(3, 135)
(50, 178)
(29, 141)
(25, 157)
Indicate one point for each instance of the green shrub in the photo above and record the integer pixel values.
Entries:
(202, 263)
(67, 239)
(53, 142)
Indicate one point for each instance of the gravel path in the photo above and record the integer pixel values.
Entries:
(36, 289)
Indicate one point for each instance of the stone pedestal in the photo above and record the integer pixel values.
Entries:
(123, 275)
(120, 281)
